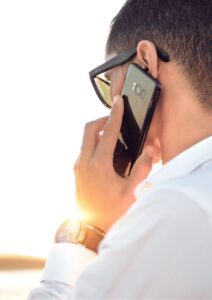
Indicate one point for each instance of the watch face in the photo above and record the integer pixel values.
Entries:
(68, 232)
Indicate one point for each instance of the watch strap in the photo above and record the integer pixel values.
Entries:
(78, 232)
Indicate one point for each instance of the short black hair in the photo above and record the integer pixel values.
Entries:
(182, 28)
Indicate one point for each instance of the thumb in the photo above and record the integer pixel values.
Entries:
(142, 166)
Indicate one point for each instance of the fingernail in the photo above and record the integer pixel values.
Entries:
(150, 152)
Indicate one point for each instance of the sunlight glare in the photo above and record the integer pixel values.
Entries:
(47, 50)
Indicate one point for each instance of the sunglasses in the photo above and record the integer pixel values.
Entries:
(102, 85)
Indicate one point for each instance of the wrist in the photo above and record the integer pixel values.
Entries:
(78, 232)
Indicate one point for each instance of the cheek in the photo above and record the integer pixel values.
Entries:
(116, 85)
(116, 88)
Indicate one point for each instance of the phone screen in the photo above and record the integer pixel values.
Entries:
(140, 94)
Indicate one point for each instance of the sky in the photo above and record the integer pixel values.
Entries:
(47, 49)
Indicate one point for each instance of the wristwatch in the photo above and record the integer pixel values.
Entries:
(77, 232)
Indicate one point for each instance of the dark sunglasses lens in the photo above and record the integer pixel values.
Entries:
(104, 91)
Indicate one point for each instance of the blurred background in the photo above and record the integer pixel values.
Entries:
(47, 48)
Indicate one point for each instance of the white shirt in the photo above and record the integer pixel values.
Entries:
(160, 249)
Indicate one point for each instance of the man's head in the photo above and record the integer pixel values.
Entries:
(183, 29)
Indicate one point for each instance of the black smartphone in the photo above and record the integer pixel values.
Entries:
(140, 94)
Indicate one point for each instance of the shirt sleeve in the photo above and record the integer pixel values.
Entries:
(63, 267)
(51, 290)
(161, 249)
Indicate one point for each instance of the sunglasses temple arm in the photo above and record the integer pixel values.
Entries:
(112, 63)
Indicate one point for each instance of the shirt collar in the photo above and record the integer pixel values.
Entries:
(181, 165)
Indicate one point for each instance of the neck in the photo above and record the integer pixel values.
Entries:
(181, 143)
(186, 123)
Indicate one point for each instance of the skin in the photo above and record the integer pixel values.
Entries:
(178, 123)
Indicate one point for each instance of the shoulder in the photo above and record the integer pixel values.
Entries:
(176, 207)
(189, 192)
(166, 239)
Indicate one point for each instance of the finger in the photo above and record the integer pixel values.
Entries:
(111, 131)
(143, 165)
(90, 138)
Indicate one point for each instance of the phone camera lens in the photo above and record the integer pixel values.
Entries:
(137, 89)
(143, 94)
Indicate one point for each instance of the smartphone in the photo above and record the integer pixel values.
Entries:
(140, 94)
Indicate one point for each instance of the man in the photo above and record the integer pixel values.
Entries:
(158, 241)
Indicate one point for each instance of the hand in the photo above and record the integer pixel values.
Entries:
(102, 194)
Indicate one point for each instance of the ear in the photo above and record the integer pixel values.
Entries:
(147, 57)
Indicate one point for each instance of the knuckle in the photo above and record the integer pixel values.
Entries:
(78, 166)
(88, 126)
(107, 130)
(94, 165)
(111, 132)
(75, 167)
(99, 167)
